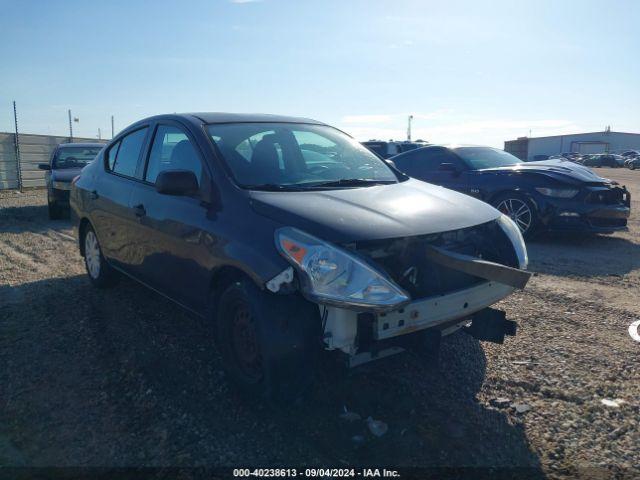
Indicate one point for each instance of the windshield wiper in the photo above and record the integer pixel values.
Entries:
(273, 187)
(349, 182)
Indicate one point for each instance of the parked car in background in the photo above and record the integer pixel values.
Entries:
(632, 163)
(66, 161)
(538, 158)
(391, 148)
(603, 160)
(630, 153)
(547, 195)
(289, 237)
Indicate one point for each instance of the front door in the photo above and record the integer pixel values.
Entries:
(171, 231)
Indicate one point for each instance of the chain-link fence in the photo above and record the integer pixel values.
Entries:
(20, 155)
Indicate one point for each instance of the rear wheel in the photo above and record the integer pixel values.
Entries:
(519, 209)
(268, 343)
(101, 274)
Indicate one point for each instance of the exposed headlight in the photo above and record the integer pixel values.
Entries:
(513, 233)
(331, 275)
(557, 192)
(62, 185)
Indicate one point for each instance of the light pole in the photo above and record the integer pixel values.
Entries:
(409, 128)
(70, 127)
(112, 129)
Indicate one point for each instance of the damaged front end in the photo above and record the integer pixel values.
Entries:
(380, 297)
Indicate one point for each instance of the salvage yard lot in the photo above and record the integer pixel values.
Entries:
(123, 377)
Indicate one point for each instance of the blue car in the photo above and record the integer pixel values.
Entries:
(556, 195)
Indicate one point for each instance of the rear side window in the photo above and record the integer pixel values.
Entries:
(172, 150)
(122, 157)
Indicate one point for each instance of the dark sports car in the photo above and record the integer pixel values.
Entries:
(547, 195)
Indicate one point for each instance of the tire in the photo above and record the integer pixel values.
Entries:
(632, 166)
(269, 344)
(510, 204)
(55, 212)
(101, 274)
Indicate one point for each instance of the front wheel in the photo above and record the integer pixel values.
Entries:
(101, 274)
(519, 209)
(632, 166)
(268, 343)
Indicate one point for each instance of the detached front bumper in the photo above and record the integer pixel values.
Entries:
(439, 310)
(353, 332)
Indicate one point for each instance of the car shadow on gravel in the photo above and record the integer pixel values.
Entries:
(32, 218)
(583, 255)
(123, 377)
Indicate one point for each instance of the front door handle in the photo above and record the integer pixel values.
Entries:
(139, 210)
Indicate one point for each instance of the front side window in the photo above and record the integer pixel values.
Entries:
(123, 156)
(172, 150)
(74, 157)
(297, 156)
(423, 161)
(479, 158)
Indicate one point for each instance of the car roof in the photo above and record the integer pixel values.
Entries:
(222, 117)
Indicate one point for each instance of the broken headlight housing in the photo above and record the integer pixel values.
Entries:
(334, 276)
(512, 231)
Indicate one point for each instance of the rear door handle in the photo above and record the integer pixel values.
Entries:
(93, 195)
(139, 210)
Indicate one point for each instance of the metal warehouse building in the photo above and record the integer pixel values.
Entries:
(528, 149)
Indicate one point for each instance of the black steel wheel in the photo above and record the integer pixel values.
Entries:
(268, 343)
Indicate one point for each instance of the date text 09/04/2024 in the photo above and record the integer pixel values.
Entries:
(315, 472)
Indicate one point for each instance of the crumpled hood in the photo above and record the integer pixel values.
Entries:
(563, 171)
(402, 209)
(65, 174)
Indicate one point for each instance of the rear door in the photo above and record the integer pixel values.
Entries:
(171, 231)
(111, 216)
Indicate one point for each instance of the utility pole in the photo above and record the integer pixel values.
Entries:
(409, 128)
(70, 127)
(112, 129)
(99, 134)
(17, 146)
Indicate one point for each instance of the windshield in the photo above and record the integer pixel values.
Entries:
(271, 155)
(485, 157)
(74, 157)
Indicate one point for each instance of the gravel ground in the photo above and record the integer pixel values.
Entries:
(124, 378)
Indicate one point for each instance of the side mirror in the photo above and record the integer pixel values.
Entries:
(176, 182)
(44, 166)
(449, 167)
